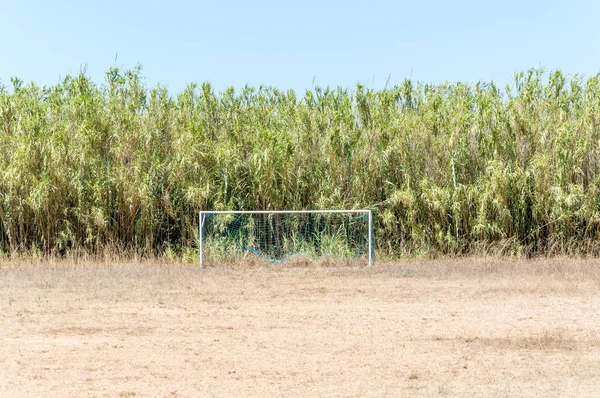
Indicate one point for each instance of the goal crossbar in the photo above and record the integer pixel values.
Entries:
(281, 211)
(202, 214)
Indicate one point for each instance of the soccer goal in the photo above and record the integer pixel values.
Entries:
(278, 236)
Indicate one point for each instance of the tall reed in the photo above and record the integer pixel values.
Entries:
(451, 168)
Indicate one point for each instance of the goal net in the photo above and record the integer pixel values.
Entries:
(277, 236)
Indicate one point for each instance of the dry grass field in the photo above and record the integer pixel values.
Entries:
(470, 327)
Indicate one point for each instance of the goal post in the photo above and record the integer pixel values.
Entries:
(277, 235)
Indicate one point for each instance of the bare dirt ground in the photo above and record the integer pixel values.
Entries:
(468, 327)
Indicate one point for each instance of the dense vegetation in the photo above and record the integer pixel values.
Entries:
(452, 168)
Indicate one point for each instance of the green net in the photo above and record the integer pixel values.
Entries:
(277, 237)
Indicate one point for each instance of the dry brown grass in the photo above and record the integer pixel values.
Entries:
(461, 327)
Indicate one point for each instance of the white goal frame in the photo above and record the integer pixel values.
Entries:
(202, 215)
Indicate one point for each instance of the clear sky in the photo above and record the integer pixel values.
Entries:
(291, 44)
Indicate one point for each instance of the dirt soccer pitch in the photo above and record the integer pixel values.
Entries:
(417, 328)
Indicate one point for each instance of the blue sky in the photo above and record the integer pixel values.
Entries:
(290, 44)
